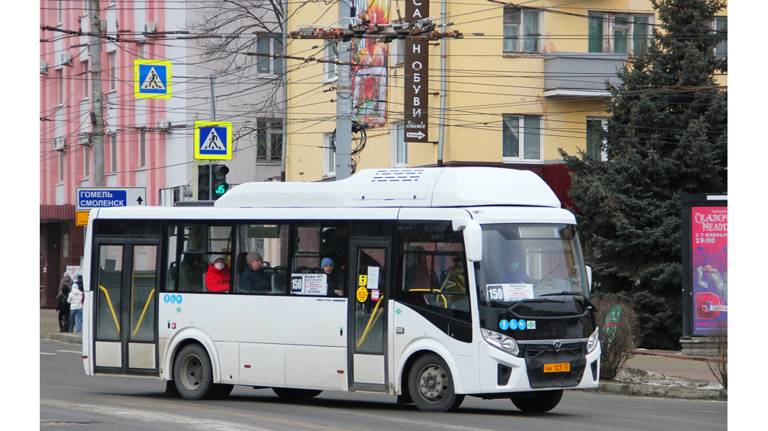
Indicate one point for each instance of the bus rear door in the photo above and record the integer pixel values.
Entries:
(126, 287)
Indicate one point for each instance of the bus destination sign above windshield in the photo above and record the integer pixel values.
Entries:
(416, 77)
(88, 198)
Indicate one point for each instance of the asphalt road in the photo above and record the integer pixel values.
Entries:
(71, 401)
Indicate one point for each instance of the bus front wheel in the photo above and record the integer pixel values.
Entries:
(192, 372)
(430, 385)
(537, 402)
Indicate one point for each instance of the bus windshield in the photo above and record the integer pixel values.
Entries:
(527, 261)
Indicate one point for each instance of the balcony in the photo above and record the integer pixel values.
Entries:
(578, 74)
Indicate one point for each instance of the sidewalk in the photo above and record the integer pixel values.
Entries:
(666, 374)
(49, 328)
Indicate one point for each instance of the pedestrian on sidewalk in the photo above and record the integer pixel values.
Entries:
(62, 306)
(75, 300)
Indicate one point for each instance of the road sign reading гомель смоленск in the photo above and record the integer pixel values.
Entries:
(88, 198)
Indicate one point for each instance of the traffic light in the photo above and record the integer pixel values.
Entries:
(220, 185)
(203, 182)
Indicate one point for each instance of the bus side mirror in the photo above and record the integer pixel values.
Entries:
(589, 278)
(473, 241)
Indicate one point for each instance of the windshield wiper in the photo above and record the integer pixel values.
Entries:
(571, 294)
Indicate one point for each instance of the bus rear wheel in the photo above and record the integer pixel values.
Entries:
(192, 372)
(537, 402)
(430, 385)
(289, 394)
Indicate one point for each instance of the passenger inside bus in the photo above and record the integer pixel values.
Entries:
(191, 273)
(254, 278)
(335, 286)
(217, 276)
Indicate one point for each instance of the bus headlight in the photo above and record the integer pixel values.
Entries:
(593, 341)
(500, 341)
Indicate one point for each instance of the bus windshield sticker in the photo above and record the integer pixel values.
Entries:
(508, 292)
(373, 277)
(309, 284)
(375, 295)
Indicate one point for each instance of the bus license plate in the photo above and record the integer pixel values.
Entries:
(559, 367)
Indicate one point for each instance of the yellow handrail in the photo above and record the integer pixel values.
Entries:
(111, 308)
(144, 311)
(436, 292)
(370, 321)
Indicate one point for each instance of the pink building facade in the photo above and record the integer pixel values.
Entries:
(134, 140)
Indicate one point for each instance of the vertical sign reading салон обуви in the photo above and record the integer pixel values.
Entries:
(416, 76)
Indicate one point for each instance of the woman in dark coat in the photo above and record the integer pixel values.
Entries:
(62, 306)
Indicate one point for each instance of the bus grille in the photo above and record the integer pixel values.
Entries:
(536, 355)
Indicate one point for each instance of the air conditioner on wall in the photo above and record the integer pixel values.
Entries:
(84, 138)
(150, 27)
(59, 142)
(65, 58)
(43, 68)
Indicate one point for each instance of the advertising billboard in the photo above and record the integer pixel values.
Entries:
(709, 268)
(369, 67)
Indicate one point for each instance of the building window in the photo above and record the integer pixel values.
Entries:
(398, 52)
(721, 25)
(269, 51)
(59, 12)
(595, 138)
(59, 87)
(399, 146)
(86, 7)
(521, 29)
(329, 156)
(278, 60)
(521, 137)
(86, 80)
(113, 153)
(65, 244)
(61, 166)
(269, 140)
(619, 33)
(142, 148)
(86, 161)
(331, 54)
(112, 71)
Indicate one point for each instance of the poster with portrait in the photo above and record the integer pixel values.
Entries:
(709, 267)
(369, 67)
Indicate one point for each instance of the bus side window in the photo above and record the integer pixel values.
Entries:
(172, 275)
(261, 258)
(317, 244)
(431, 268)
(202, 245)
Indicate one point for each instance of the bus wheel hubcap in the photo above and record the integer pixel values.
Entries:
(192, 373)
(433, 383)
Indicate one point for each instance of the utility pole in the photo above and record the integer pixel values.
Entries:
(343, 138)
(213, 118)
(97, 117)
(421, 30)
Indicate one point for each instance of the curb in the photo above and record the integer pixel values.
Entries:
(66, 337)
(676, 356)
(681, 392)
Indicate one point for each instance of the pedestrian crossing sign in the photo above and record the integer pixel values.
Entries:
(213, 140)
(152, 79)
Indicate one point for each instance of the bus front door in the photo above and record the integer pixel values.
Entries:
(125, 306)
(368, 314)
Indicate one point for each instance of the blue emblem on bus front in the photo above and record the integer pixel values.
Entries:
(504, 324)
(521, 324)
(170, 298)
(512, 324)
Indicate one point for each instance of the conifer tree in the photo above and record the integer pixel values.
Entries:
(667, 133)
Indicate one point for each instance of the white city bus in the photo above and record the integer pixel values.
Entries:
(446, 282)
